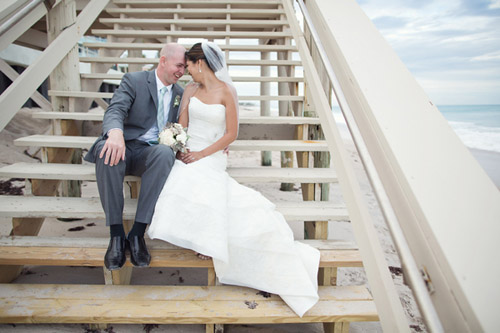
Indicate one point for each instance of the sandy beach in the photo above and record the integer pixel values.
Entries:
(23, 124)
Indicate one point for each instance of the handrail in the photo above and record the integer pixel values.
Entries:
(28, 8)
(408, 263)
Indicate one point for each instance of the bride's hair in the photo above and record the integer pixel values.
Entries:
(197, 52)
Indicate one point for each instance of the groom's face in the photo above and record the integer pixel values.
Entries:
(171, 68)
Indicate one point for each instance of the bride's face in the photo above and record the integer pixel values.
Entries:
(193, 70)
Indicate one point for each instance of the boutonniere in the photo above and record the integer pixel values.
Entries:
(177, 101)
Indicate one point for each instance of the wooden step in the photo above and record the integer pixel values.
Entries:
(187, 78)
(93, 94)
(158, 46)
(126, 60)
(244, 175)
(97, 116)
(191, 34)
(146, 3)
(190, 23)
(31, 206)
(57, 251)
(85, 142)
(236, 13)
(45, 303)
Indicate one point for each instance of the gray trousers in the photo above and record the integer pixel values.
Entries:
(151, 163)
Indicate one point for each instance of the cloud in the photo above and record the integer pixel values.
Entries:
(440, 40)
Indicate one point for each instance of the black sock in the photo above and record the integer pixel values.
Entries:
(116, 230)
(138, 229)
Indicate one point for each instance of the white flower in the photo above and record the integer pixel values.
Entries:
(174, 136)
(182, 138)
(167, 137)
(178, 127)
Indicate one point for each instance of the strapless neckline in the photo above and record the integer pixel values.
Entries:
(199, 100)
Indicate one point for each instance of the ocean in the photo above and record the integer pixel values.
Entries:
(478, 126)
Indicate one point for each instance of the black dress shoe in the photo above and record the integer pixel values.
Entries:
(139, 254)
(115, 255)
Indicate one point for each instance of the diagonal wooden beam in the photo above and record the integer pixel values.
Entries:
(20, 27)
(20, 90)
(13, 75)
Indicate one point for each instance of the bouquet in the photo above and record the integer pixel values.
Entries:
(175, 136)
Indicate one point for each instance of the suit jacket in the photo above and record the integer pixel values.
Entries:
(134, 106)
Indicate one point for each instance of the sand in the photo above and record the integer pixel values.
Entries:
(23, 125)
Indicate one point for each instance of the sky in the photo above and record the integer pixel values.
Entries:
(452, 47)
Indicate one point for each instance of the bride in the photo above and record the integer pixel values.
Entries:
(202, 208)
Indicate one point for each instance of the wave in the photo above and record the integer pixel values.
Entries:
(477, 136)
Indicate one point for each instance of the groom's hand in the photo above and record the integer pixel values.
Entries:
(114, 148)
(183, 156)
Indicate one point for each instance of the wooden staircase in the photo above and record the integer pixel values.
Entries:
(133, 26)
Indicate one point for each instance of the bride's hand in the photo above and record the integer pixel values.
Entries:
(182, 156)
(194, 156)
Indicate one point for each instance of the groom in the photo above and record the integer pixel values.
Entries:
(128, 145)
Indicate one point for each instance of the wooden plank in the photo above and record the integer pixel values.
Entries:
(158, 46)
(187, 78)
(165, 293)
(159, 12)
(189, 34)
(241, 174)
(13, 75)
(56, 141)
(93, 242)
(203, 22)
(67, 207)
(94, 94)
(255, 3)
(178, 304)
(130, 60)
(53, 252)
(21, 89)
(97, 116)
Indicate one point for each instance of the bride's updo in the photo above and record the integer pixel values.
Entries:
(196, 53)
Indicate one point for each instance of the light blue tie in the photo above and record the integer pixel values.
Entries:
(161, 112)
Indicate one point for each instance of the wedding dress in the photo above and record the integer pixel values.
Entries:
(202, 208)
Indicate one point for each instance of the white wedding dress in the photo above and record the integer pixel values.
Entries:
(202, 208)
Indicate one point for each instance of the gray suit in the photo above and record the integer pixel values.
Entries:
(133, 109)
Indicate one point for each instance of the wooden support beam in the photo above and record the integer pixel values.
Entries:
(11, 35)
(20, 90)
(13, 75)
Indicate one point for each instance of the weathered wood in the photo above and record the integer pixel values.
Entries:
(97, 116)
(92, 94)
(388, 304)
(198, 12)
(338, 327)
(154, 3)
(241, 174)
(158, 46)
(203, 22)
(55, 141)
(51, 251)
(13, 75)
(20, 90)
(133, 59)
(189, 34)
(178, 304)
(187, 78)
(33, 207)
